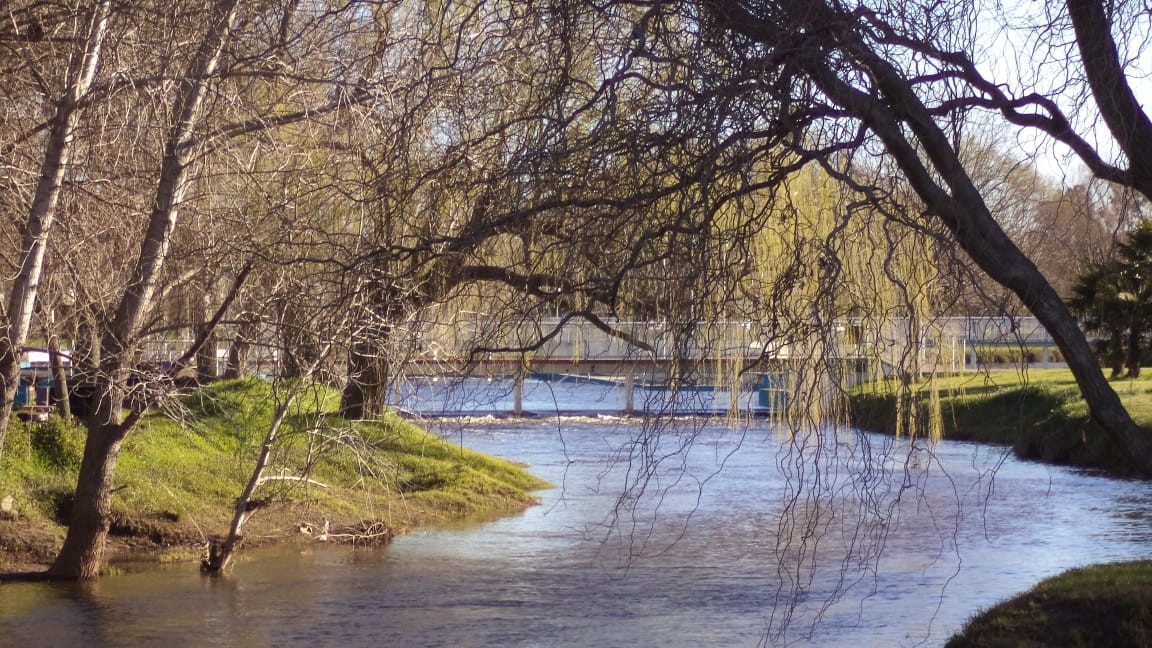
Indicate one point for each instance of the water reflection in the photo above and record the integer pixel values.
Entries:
(642, 544)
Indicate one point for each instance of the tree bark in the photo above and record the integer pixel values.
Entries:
(1116, 352)
(82, 554)
(60, 394)
(366, 391)
(298, 350)
(1134, 352)
(221, 558)
(241, 346)
(207, 365)
(1119, 106)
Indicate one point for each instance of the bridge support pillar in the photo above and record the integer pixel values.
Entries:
(518, 394)
(629, 392)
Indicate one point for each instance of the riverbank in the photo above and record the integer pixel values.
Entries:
(182, 470)
(1101, 605)
(1041, 415)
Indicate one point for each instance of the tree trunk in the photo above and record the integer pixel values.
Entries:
(82, 554)
(60, 394)
(1134, 352)
(1120, 108)
(1116, 352)
(241, 346)
(207, 362)
(298, 349)
(366, 391)
(220, 556)
(207, 365)
(238, 352)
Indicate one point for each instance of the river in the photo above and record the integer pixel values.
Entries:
(705, 533)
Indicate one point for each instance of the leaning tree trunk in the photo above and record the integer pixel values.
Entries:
(220, 556)
(963, 211)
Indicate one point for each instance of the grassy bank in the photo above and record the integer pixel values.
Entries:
(1039, 413)
(1103, 605)
(182, 470)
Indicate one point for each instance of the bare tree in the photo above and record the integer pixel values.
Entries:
(234, 47)
(66, 102)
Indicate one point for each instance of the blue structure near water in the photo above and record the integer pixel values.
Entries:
(34, 393)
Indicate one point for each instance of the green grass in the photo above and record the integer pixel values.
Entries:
(181, 471)
(1103, 605)
(1040, 413)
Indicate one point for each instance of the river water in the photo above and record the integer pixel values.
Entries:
(697, 533)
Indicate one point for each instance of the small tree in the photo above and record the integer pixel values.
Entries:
(1096, 301)
(1114, 299)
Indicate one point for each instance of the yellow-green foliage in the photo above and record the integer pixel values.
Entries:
(180, 473)
(832, 278)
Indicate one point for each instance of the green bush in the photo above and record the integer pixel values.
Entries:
(56, 443)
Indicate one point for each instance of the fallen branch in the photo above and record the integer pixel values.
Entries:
(295, 478)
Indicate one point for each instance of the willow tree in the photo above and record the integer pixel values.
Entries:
(587, 184)
(436, 188)
(673, 136)
(900, 104)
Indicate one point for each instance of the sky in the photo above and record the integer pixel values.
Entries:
(1021, 50)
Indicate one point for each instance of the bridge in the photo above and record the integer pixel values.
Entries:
(728, 354)
(941, 344)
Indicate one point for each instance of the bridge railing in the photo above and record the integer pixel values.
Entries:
(581, 340)
(633, 340)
